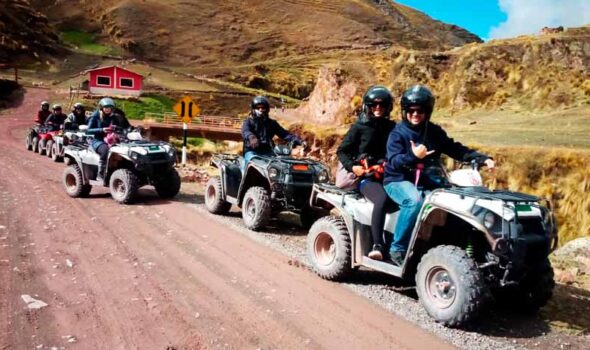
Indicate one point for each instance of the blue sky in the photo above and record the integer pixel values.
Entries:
(491, 19)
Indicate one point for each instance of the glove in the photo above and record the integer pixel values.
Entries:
(253, 140)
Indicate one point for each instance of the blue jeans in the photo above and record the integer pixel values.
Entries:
(409, 199)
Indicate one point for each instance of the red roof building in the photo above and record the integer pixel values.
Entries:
(113, 80)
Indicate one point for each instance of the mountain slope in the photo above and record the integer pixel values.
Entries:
(25, 35)
(210, 32)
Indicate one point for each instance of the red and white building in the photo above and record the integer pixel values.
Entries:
(113, 80)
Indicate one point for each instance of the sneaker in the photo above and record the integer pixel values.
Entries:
(376, 254)
(397, 257)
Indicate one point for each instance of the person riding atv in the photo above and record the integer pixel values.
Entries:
(98, 126)
(267, 180)
(130, 163)
(76, 118)
(259, 129)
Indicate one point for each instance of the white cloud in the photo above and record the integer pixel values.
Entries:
(529, 16)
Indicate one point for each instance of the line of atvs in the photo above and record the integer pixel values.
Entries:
(470, 244)
(132, 162)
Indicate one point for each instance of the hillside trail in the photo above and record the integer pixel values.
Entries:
(156, 275)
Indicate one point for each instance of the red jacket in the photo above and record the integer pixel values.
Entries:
(42, 116)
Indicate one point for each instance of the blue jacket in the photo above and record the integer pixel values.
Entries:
(401, 161)
(264, 129)
(95, 126)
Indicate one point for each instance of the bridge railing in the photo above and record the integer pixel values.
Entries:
(208, 120)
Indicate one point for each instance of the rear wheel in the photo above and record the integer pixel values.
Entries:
(169, 186)
(35, 144)
(213, 201)
(329, 248)
(256, 208)
(42, 144)
(124, 185)
(29, 142)
(449, 286)
(49, 148)
(74, 182)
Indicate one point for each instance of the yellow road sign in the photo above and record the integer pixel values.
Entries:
(186, 108)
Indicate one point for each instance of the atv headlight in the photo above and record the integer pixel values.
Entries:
(273, 173)
(489, 219)
(172, 153)
(323, 176)
(134, 155)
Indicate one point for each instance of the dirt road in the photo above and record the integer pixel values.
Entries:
(156, 275)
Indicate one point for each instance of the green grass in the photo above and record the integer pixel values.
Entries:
(146, 104)
(85, 43)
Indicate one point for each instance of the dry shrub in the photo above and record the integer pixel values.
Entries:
(560, 175)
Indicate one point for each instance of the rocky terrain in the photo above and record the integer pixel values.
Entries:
(25, 34)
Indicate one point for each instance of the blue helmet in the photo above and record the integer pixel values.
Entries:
(106, 102)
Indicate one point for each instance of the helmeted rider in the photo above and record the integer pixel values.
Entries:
(367, 139)
(259, 129)
(57, 118)
(43, 113)
(76, 118)
(99, 125)
(414, 143)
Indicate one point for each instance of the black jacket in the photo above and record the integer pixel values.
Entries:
(366, 136)
(401, 161)
(264, 129)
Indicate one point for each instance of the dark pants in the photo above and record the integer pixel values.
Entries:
(374, 192)
(103, 150)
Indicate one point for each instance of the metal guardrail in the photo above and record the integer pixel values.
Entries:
(201, 120)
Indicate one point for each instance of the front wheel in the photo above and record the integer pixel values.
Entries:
(55, 154)
(256, 208)
(329, 248)
(449, 286)
(74, 182)
(213, 199)
(41, 148)
(124, 185)
(169, 186)
(49, 148)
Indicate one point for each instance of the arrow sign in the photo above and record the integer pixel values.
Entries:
(186, 109)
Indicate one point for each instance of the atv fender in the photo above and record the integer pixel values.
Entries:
(254, 177)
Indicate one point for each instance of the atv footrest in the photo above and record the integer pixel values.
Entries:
(382, 266)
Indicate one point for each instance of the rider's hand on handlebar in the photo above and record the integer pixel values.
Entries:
(420, 151)
(358, 170)
(108, 129)
(253, 141)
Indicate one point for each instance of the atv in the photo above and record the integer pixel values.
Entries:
(131, 163)
(469, 243)
(269, 185)
(56, 149)
(38, 138)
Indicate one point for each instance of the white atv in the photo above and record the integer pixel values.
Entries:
(131, 164)
(468, 241)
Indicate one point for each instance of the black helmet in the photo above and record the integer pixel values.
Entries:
(259, 100)
(45, 105)
(78, 105)
(417, 95)
(377, 93)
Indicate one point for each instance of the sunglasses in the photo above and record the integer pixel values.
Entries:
(260, 108)
(378, 103)
(415, 111)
